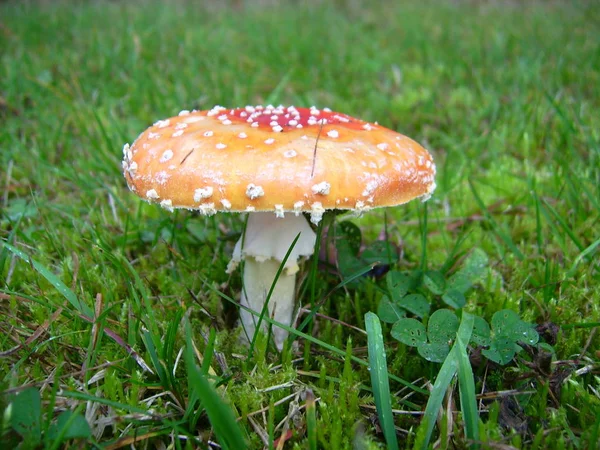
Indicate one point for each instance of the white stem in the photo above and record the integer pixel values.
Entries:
(266, 241)
(258, 278)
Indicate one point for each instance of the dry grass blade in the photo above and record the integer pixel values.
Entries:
(129, 441)
(115, 337)
(36, 334)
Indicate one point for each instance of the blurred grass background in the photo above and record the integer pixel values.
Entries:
(504, 94)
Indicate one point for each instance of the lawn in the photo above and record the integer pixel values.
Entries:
(118, 319)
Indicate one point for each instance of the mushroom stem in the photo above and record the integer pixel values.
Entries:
(265, 244)
(258, 278)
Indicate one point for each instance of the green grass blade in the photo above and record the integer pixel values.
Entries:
(569, 326)
(468, 400)
(449, 368)
(173, 425)
(209, 352)
(504, 237)
(583, 255)
(563, 224)
(465, 328)
(436, 397)
(311, 420)
(538, 219)
(344, 282)
(221, 416)
(9, 238)
(423, 231)
(53, 280)
(379, 379)
(103, 401)
(466, 380)
(275, 94)
(156, 362)
(592, 198)
(137, 288)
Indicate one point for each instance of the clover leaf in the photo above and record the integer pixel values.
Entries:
(471, 271)
(507, 331)
(400, 283)
(415, 304)
(442, 326)
(433, 342)
(481, 332)
(397, 303)
(389, 311)
(410, 332)
(434, 351)
(435, 282)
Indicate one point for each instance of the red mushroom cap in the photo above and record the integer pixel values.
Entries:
(275, 159)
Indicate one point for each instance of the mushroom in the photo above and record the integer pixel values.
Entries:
(275, 163)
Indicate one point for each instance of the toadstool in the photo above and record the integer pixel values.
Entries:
(275, 163)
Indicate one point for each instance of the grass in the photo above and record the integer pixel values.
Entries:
(96, 287)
